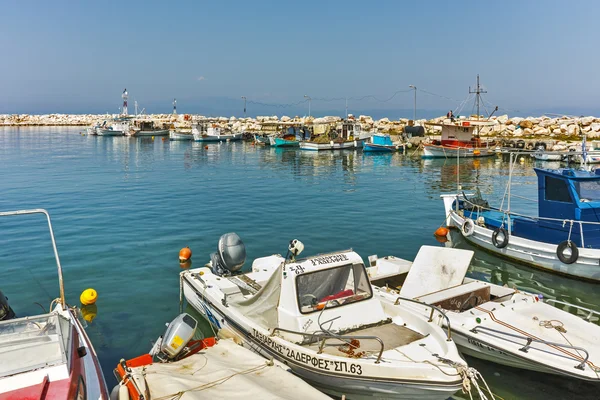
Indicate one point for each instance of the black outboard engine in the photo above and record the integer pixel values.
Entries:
(6, 312)
(230, 255)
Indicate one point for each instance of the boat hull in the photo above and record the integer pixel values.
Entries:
(529, 252)
(379, 148)
(159, 132)
(279, 142)
(436, 151)
(218, 138)
(312, 146)
(109, 132)
(174, 135)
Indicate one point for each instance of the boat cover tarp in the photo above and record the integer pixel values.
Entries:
(225, 371)
(434, 269)
(262, 307)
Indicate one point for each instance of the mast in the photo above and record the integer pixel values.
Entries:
(478, 91)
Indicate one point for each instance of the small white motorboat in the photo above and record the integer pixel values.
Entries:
(319, 316)
(205, 369)
(542, 155)
(47, 356)
(492, 322)
(118, 127)
(180, 135)
(210, 132)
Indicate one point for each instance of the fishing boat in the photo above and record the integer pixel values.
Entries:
(210, 132)
(381, 142)
(492, 322)
(459, 139)
(291, 137)
(117, 127)
(179, 367)
(47, 356)
(180, 135)
(542, 155)
(263, 140)
(564, 237)
(347, 136)
(147, 128)
(319, 316)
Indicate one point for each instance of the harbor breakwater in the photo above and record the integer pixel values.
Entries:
(543, 127)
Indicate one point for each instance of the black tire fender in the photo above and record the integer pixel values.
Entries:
(560, 252)
(502, 243)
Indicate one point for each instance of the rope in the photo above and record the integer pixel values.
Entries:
(178, 395)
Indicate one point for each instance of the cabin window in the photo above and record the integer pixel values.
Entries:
(332, 287)
(588, 190)
(557, 190)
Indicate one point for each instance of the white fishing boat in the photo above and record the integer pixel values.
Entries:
(458, 139)
(47, 356)
(492, 322)
(117, 127)
(564, 237)
(542, 155)
(319, 316)
(211, 132)
(210, 368)
(180, 135)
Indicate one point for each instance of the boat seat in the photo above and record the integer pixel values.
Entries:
(459, 298)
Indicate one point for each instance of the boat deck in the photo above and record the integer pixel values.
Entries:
(392, 335)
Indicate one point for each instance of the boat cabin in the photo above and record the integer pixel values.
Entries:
(382, 139)
(461, 133)
(349, 130)
(301, 295)
(144, 125)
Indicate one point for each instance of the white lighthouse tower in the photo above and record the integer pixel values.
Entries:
(125, 96)
(174, 106)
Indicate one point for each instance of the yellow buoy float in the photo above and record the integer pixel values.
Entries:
(88, 296)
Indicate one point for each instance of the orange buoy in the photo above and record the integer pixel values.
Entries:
(185, 254)
(206, 147)
(441, 231)
(441, 239)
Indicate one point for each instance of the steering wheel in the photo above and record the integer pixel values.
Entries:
(311, 297)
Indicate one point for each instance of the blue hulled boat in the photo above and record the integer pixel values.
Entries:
(565, 236)
(380, 142)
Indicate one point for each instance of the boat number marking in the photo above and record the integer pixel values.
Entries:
(334, 366)
(298, 269)
(328, 259)
(483, 346)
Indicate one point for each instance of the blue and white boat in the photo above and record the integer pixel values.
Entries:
(565, 236)
(380, 142)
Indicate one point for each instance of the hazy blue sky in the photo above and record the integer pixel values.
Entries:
(70, 56)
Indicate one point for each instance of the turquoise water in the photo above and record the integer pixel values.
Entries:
(123, 207)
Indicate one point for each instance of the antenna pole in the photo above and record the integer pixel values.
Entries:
(478, 93)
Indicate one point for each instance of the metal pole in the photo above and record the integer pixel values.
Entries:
(309, 100)
(346, 108)
(415, 107)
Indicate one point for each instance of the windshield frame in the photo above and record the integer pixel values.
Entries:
(582, 196)
(352, 267)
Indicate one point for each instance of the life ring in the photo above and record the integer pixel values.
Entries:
(468, 227)
(500, 244)
(530, 146)
(560, 252)
(520, 144)
(541, 145)
(511, 144)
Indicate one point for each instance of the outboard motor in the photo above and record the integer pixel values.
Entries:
(173, 344)
(230, 255)
(6, 312)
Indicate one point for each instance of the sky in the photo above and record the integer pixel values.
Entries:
(533, 57)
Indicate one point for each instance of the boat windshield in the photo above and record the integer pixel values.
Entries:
(32, 343)
(332, 287)
(588, 190)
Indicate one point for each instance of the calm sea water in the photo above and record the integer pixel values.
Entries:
(123, 207)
